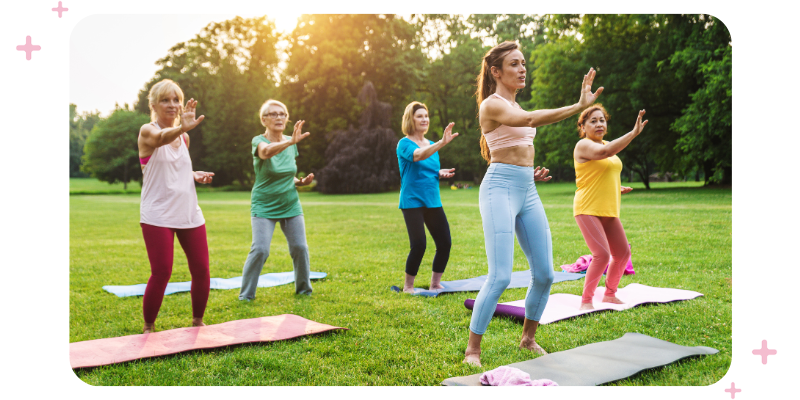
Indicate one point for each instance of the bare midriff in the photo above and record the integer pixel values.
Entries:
(516, 155)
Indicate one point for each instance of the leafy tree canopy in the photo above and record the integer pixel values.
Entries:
(111, 153)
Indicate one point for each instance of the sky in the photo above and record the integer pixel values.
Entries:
(102, 74)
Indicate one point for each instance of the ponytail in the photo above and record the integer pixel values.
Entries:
(487, 85)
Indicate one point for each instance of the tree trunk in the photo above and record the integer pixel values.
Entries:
(644, 174)
(125, 177)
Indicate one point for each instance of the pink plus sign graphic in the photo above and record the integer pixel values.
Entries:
(733, 390)
(764, 352)
(60, 9)
(28, 48)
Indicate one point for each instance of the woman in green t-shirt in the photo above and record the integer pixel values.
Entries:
(274, 199)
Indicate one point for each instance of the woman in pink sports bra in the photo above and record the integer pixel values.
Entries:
(169, 200)
(509, 202)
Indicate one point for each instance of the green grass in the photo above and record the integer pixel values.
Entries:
(681, 238)
(94, 186)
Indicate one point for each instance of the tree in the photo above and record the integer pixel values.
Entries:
(705, 128)
(79, 128)
(449, 93)
(230, 68)
(638, 61)
(330, 59)
(362, 160)
(111, 153)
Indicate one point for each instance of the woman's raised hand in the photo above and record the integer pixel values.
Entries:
(625, 189)
(637, 129)
(447, 136)
(298, 128)
(540, 174)
(188, 120)
(447, 173)
(587, 97)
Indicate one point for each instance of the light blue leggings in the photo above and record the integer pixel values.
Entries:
(508, 203)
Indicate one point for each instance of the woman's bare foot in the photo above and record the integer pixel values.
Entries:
(472, 355)
(612, 299)
(149, 328)
(586, 306)
(408, 285)
(198, 322)
(528, 340)
(473, 359)
(530, 344)
(436, 280)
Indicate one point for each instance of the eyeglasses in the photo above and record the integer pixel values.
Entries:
(275, 115)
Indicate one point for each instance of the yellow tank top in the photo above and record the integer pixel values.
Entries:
(598, 187)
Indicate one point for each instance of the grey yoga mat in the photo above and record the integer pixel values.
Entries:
(598, 363)
(265, 280)
(519, 279)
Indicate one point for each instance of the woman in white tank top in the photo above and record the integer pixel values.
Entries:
(169, 200)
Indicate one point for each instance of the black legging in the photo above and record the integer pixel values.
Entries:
(436, 222)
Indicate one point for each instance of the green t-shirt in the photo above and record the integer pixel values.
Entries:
(274, 195)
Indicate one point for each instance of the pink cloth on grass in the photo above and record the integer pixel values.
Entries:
(583, 263)
(510, 376)
(580, 265)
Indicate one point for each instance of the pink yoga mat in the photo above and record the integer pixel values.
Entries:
(562, 306)
(92, 353)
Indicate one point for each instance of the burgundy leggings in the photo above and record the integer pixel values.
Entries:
(160, 245)
(607, 242)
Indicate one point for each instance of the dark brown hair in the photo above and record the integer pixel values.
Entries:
(486, 82)
(585, 115)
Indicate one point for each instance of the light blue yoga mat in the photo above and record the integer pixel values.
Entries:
(519, 279)
(266, 280)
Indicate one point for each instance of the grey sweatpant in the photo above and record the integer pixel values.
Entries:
(295, 230)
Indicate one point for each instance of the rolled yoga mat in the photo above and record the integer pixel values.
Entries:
(519, 279)
(92, 353)
(598, 363)
(562, 306)
(266, 280)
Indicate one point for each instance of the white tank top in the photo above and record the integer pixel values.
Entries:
(169, 198)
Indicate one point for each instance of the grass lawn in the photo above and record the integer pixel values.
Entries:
(94, 186)
(681, 238)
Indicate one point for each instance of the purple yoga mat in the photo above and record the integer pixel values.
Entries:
(562, 306)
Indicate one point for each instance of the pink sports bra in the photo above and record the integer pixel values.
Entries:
(508, 136)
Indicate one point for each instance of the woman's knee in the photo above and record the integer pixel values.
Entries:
(298, 249)
(444, 244)
(260, 250)
(499, 283)
(418, 245)
(545, 277)
(625, 254)
(603, 256)
(161, 274)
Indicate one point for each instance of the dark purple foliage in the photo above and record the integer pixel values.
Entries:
(362, 160)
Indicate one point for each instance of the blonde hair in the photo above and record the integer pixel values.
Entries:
(161, 90)
(586, 114)
(266, 105)
(486, 83)
(408, 116)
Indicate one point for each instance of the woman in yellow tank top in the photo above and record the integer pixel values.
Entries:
(597, 201)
